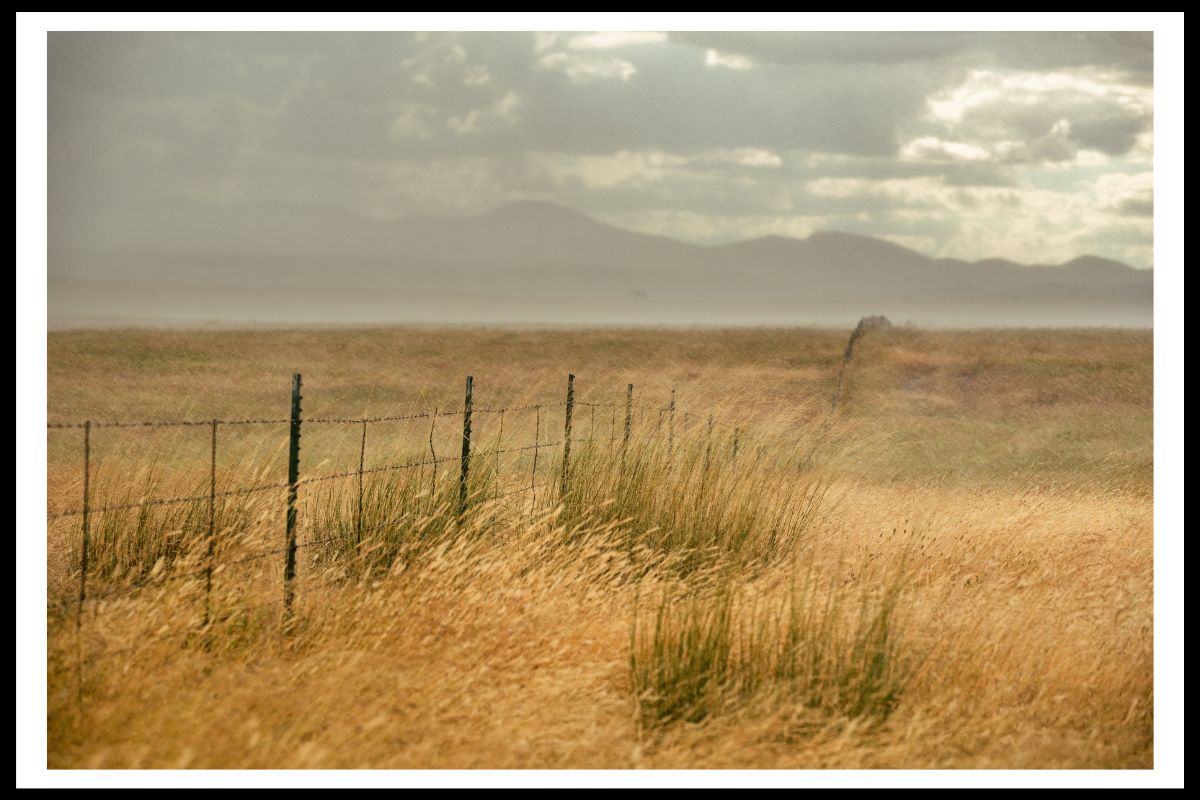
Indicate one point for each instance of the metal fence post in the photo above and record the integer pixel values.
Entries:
(433, 459)
(566, 466)
(289, 567)
(628, 416)
(708, 445)
(358, 516)
(537, 443)
(671, 424)
(85, 539)
(212, 525)
(465, 461)
(85, 535)
(496, 463)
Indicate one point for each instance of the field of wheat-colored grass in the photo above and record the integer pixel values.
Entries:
(953, 569)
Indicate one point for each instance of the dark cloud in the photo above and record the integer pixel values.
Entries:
(403, 122)
(1130, 52)
(1136, 208)
(803, 47)
(1107, 124)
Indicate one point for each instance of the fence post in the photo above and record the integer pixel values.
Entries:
(212, 525)
(362, 456)
(465, 461)
(567, 434)
(708, 445)
(537, 443)
(671, 424)
(85, 539)
(289, 566)
(499, 451)
(433, 459)
(628, 416)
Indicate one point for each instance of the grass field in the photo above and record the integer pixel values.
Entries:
(952, 570)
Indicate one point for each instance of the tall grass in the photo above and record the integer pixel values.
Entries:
(713, 649)
(130, 545)
(502, 635)
(402, 512)
(695, 505)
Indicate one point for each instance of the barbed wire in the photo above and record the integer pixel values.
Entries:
(538, 446)
(247, 490)
(351, 534)
(181, 423)
(395, 418)
(372, 470)
(343, 536)
(424, 414)
(176, 423)
(166, 501)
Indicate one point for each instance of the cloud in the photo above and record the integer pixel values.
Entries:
(600, 172)
(1129, 53)
(715, 58)
(935, 149)
(575, 56)
(758, 158)
(1126, 194)
(920, 135)
(608, 40)
(582, 69)
(811, 47)
(503, 114)
(1026, 116)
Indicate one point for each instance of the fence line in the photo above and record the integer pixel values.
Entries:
(213, 567)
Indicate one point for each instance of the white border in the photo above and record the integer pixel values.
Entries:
(31, 393)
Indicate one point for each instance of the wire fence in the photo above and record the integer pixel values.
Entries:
(219, 554)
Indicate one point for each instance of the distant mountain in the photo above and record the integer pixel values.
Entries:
(534, 251)
(522, 232)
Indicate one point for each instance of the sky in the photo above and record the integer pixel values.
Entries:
(1037, 147)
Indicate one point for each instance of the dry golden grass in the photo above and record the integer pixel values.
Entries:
(954, 571)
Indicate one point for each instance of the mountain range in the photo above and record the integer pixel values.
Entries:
(182, 262)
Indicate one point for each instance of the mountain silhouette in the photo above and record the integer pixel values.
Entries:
(518, 255)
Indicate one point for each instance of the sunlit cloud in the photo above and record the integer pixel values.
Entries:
(607, 40)
(715, 58)
(582, 69)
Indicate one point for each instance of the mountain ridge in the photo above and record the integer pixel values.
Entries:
(534, 261)
(168, 222)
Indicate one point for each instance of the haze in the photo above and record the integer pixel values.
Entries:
(600, 178)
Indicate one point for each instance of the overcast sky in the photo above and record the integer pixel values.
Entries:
(1035, 147)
